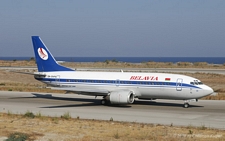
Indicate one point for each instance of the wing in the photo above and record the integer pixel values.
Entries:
(92, 92)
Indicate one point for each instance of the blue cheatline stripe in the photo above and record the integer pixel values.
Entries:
(115, 82)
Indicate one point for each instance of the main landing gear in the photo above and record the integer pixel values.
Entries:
(103, 102)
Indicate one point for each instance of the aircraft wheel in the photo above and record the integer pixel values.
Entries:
(103, 102)
(186, 105)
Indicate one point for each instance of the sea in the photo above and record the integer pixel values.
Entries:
(209, 60)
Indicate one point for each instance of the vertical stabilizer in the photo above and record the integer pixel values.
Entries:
(44, 59)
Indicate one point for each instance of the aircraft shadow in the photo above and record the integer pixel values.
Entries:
(164, 104)
(97, 102)
(86, 104)
(49, 96)
(93, 102)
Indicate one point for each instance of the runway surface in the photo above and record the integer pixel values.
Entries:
(205, 113)
(174, 70)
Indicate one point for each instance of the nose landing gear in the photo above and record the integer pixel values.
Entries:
(186, 102)
(186, 105)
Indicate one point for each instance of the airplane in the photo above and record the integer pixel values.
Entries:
(116, 87)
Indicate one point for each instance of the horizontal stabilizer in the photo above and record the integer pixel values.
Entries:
(29, 73)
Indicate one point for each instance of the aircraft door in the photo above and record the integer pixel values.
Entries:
(179, 84)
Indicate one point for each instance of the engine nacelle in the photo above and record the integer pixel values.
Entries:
(121, 97)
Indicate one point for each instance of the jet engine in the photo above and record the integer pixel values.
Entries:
(121, 97)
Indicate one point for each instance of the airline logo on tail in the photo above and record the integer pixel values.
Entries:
(42, 53)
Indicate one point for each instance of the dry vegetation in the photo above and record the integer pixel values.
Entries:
(65, 128)
(17, 63)
(39, 127)
(116, 64)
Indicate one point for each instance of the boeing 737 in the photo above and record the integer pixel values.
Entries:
(116, 87)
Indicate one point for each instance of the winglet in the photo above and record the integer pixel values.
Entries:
(44, 59)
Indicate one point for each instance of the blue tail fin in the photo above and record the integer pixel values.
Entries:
(44, 59)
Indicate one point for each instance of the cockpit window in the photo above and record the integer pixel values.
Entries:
(196, 82)
(200, 83)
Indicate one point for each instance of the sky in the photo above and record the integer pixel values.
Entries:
(114, 28)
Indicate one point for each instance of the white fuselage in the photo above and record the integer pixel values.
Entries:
(143, 85)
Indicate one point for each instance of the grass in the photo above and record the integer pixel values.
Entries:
(17, 136)
(66, 116)
(9, 113)
(116, 135)
(56, 128)
(111, 119)
(29, 114)
(38, 114)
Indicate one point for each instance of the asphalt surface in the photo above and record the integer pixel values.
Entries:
(174, 70)
(204, 113)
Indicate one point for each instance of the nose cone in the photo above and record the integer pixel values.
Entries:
(207, 90)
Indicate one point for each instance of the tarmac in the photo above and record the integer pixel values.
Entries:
(204, 113)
